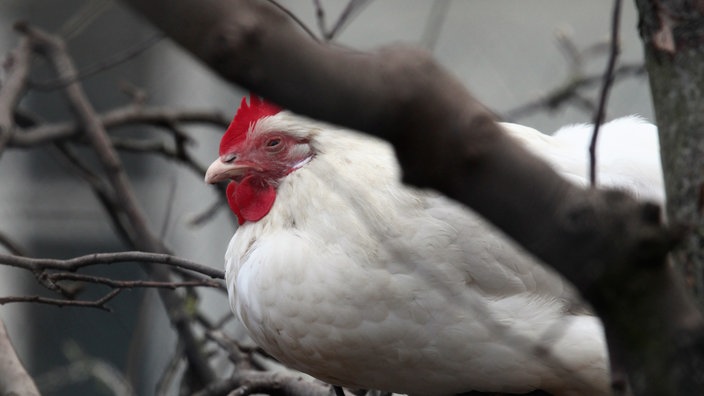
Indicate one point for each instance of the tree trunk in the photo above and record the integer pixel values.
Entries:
(673, 36)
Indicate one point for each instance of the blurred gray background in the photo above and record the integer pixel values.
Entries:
(506, 52)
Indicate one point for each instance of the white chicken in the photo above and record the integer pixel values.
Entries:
(340, 271)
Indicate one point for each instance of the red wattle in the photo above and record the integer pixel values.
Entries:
(230, 194)
(250, 199)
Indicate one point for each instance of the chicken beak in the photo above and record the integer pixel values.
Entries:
(220, 170)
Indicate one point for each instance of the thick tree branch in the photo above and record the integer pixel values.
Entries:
(610, 246)
(400, 94)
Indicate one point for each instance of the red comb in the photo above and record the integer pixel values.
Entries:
(246, 116)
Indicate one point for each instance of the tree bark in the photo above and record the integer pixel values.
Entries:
(610, 246)
(673, 37)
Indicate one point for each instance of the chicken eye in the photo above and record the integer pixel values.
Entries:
(273, 144)
(229, 158)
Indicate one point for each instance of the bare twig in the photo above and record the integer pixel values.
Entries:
(137, 95)
(98, 136)
(12, 246)
(569, 92)
(247, 382)
(80, 371)
(218, 324)
(128, 115)
(230, 346)
(168, 376)
(156, 146)
(208, 213)
(295, 19)
(605, 88)
(101, 190)
(105, 194)
(14, 379)
(142, 237)
(106, 198)
(100, 66)
(129, 284)
(83, 18)
(434, 23)
(39, 264)
(320, 17)
(99, 303)
(352, 7)
(169, 208)
(17, 66)
(83, 367)
(569, 49)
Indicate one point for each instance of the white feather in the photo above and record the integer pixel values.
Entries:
(628, 154)
(361, 281)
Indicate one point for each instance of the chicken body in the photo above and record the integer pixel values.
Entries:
(361, 281)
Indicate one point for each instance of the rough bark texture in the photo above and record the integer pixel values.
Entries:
(673, 35)
(610, 246)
